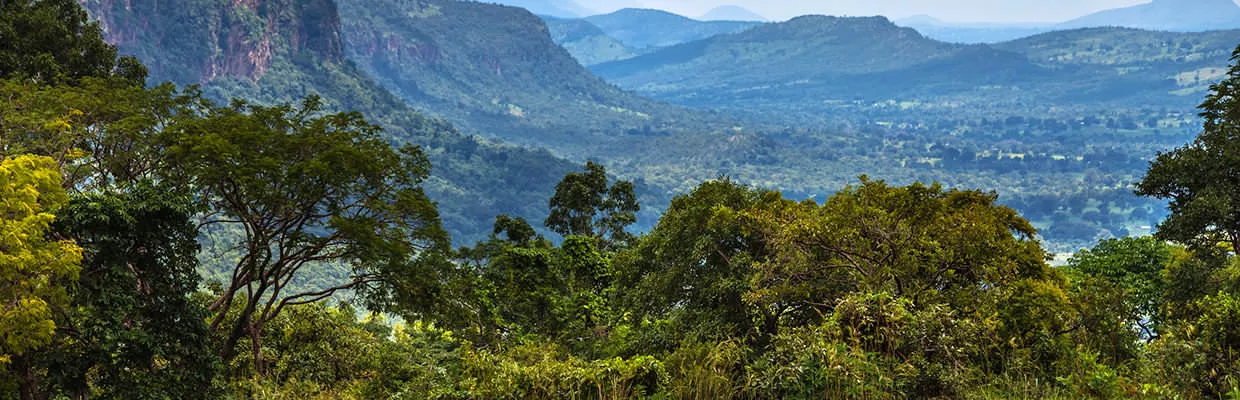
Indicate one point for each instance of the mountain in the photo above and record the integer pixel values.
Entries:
(494, 70)
(645, 28)
(587, 43)
(809, 63)
(1167, 15)
(731, 13)
(970, 33)
(805, 50)
(274, 51)
(554, 8)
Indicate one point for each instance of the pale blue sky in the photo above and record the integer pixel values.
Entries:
(948, 10)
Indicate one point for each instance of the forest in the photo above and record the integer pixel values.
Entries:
(158, 244)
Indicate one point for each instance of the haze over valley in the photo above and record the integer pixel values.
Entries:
(619, 199)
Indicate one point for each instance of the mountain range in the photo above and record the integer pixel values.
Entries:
(1160, 15)
(554, 8)
(811, 62)
(647, 28)
(731, 13)
(1166, 15)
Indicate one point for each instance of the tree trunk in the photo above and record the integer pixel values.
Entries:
(27, 381)
(256, 345)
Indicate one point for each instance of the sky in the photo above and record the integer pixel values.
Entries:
(1007, 11)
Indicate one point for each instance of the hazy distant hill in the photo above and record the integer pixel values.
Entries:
(731, 13)
(970, 32)
(644, 28)
(586, 42)
(554, 8)
(1167, 15)
(804, 50)
(809, 62)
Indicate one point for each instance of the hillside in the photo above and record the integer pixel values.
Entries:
(971, 33)
(731, 13)
(588, 44)
(554, 8)
(494, 70)
(810, 50)
(1167, 15)
(646, 29)
(274, 51)
(812, 60)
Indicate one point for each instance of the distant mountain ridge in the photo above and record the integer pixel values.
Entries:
(585, 42)
(1167, 15)
(554, 8)
(647, 28)
(1158, 15)
(810, 62)
(731, 13)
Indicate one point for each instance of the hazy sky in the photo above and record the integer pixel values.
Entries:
(948, 10)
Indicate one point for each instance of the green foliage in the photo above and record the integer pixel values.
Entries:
(309, 188)
(53, 42)
(1135, 267)
(1200, 179)
(130, 330)
(585, 205)
(33, 264)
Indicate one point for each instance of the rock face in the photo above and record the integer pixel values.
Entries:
(200, 41)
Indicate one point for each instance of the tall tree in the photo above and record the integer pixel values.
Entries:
(304, 189)
(131, 330)
(53, 42)
(1202, 179)
(585, 205)
(698, 262)
(32, 263)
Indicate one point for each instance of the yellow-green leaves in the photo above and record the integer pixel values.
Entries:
(30, 261)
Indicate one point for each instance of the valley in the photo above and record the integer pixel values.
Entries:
(560, 199)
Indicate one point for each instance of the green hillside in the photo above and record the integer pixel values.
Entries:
(494, 70)
(588, 44)
(649, 29)
(811, 63)
(282, 50)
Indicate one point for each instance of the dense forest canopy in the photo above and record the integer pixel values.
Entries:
(112, 192)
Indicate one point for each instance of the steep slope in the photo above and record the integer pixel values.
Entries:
(273, 51)
(494, 70)
(554, 8)
(811, 62)
(644, 28)
(731, 13)
(804, 50)
(587, 43)
(1167, 15)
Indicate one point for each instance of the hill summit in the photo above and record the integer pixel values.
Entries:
(1167, 15)
(731, 13)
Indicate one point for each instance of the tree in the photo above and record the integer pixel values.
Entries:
(920, 242)
(131, 330)
(32, 263)
(696, 265)
(1200, 179)
(306, 189)
(1135, 265)
(52, 42)
(100, 131)
(584, 205)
